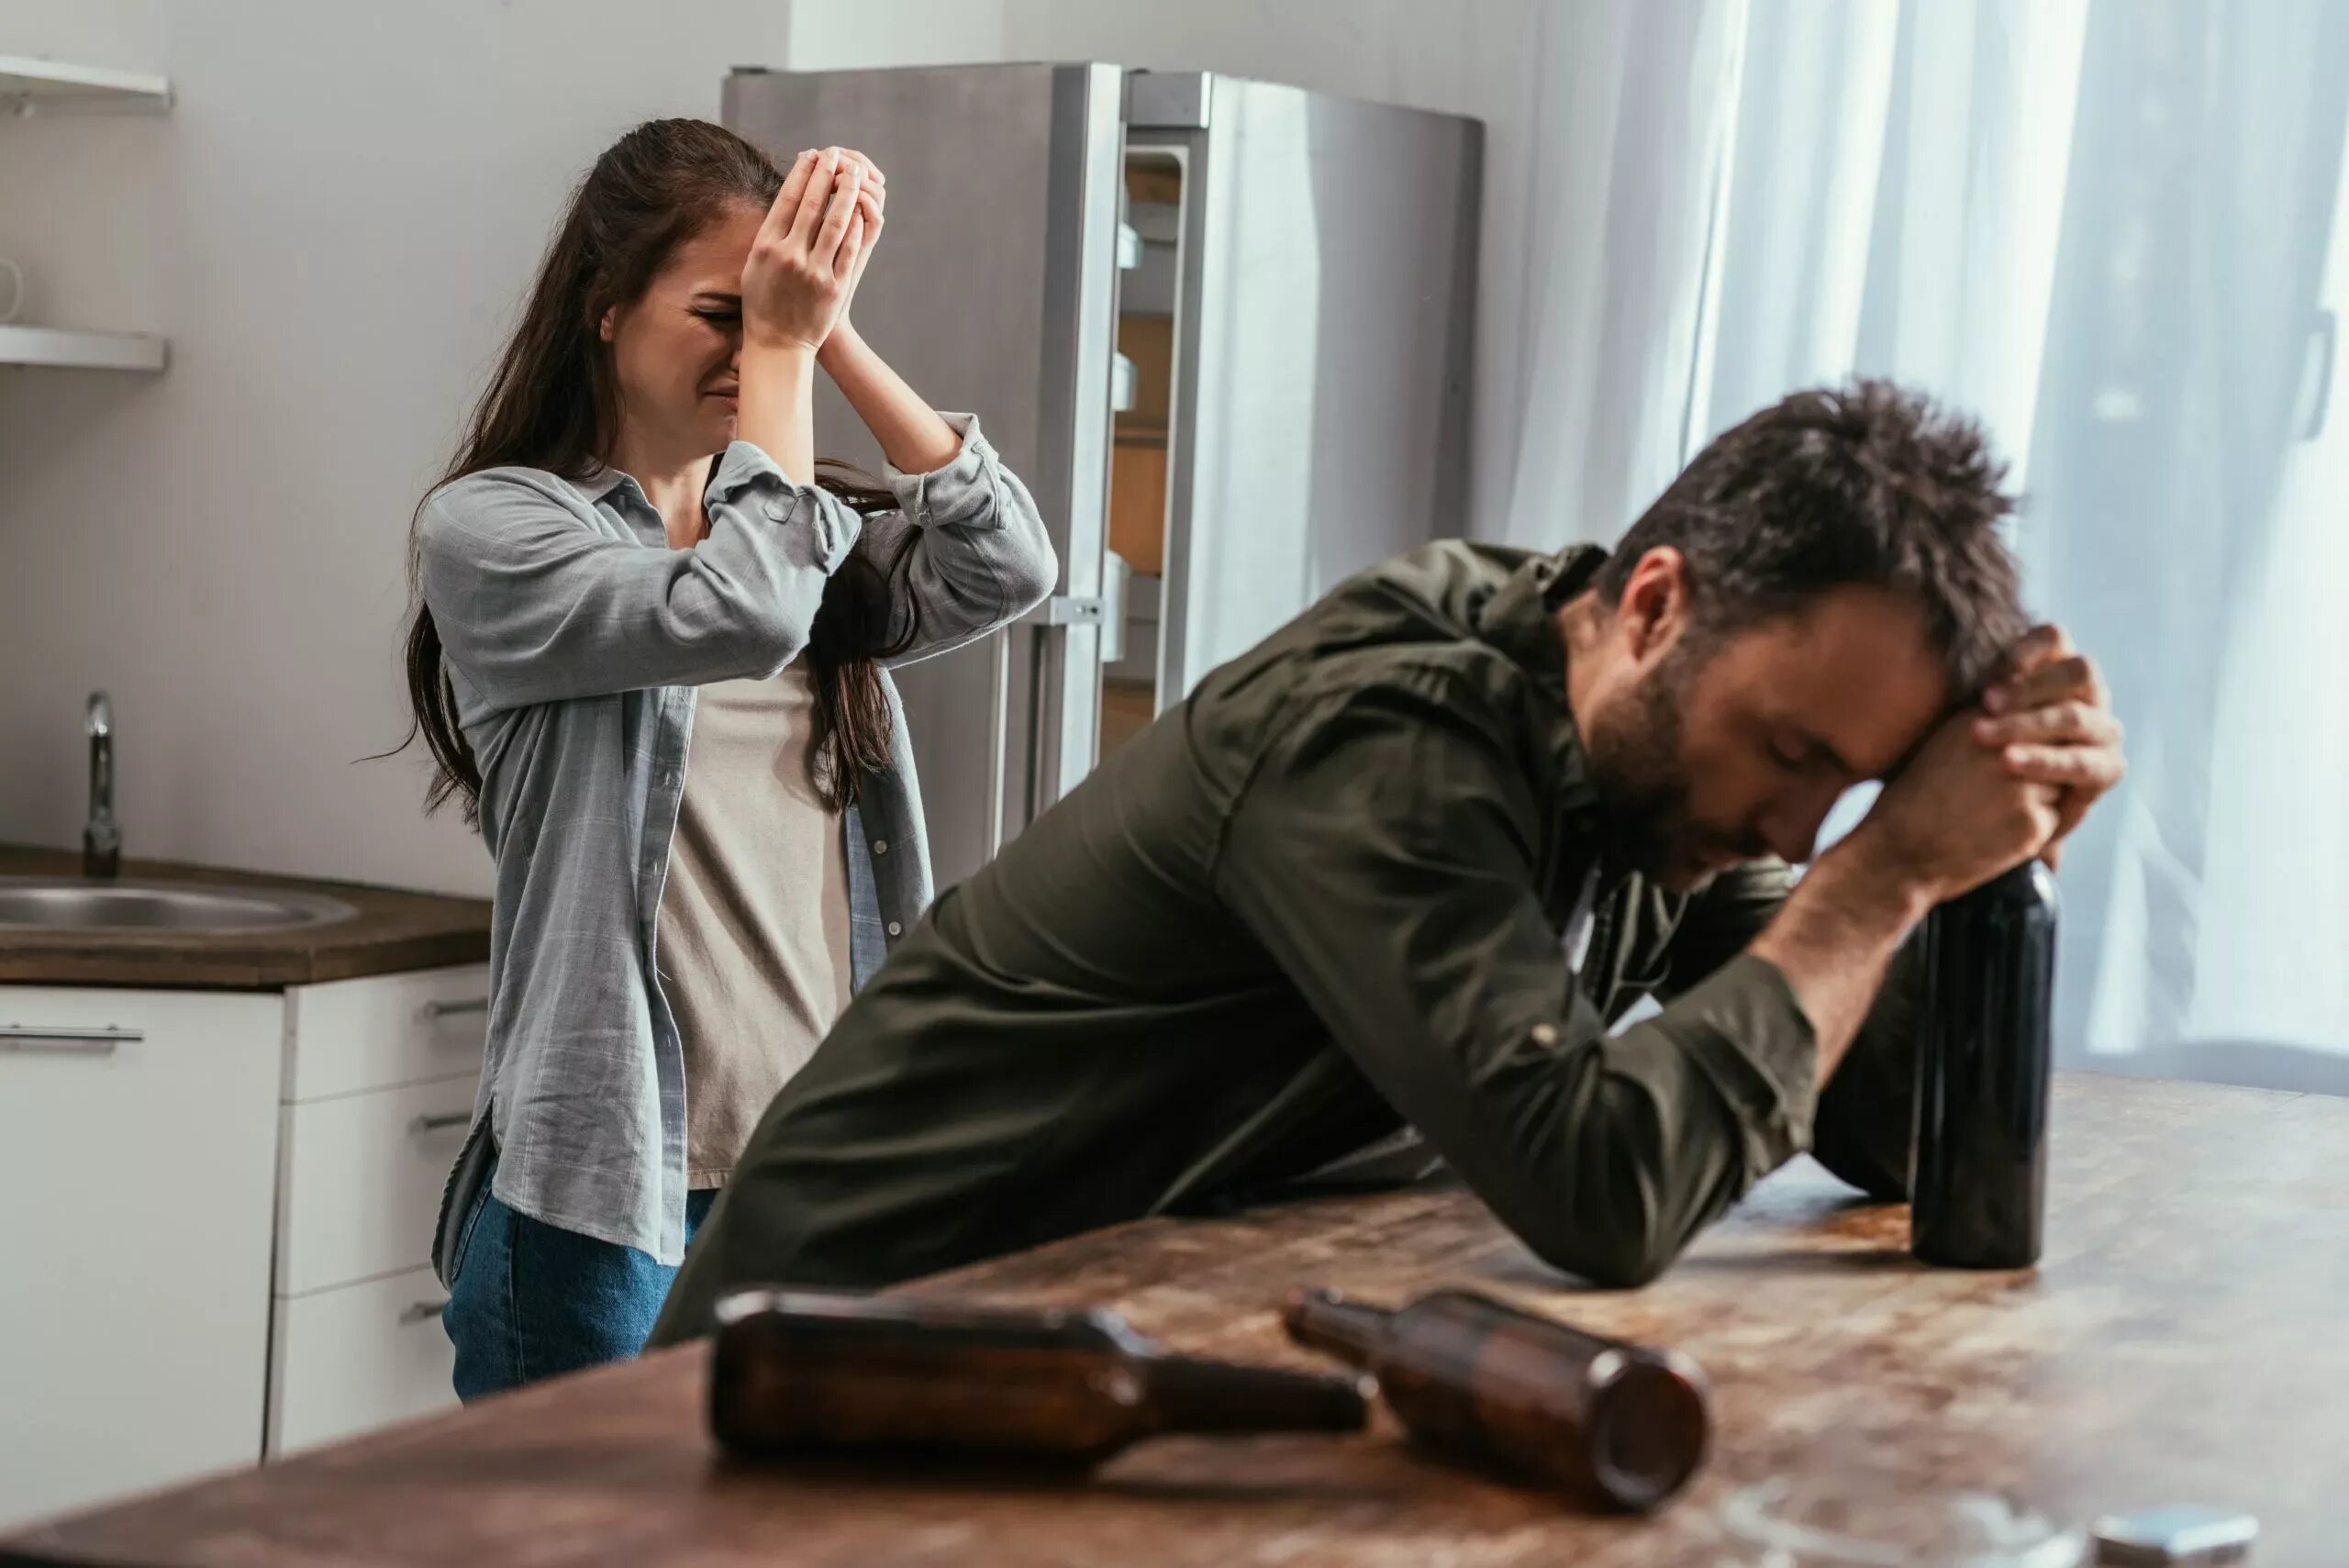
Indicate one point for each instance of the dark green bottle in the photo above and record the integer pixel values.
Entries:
(1985, 1056)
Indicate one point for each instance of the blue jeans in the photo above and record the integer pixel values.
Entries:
(529, 1301)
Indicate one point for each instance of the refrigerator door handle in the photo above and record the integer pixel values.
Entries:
(1116, 575)
(1061, 613)
(1068, 609)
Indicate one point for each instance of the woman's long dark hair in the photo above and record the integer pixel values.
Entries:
(554, 404)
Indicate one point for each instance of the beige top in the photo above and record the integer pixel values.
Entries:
(754, 932)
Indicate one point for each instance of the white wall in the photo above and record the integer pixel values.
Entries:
(332, 226)
(850, 35)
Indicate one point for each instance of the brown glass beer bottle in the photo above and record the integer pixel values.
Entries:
(1617, 1425)
(796, 1373)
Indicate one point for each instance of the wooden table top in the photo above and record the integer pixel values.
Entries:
(2181, 1341)
(392, 930)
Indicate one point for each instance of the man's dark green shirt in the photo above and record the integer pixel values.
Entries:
(1323, 897)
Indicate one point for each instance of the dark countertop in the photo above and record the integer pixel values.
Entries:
(2178, 1342)
(392, 931)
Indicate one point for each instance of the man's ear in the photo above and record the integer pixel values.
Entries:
(1655, 608)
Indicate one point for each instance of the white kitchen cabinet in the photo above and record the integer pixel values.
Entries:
(348, 1360)
(138, 1161)
(380, 1075)
(345, 1036)
(361, 1181)
(216, 1218)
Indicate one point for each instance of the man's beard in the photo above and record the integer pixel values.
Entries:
(1635, 763)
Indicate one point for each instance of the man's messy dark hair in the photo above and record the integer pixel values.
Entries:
(1867, 485)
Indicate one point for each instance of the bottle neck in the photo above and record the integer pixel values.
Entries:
(1184, 1394)
(1328, 1322)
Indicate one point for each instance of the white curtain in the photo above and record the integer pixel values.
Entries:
(2188, 470)
(1892, 210)
(1633, 103)
(2113, 228)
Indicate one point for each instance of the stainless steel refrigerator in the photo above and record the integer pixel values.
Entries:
(1220, 326)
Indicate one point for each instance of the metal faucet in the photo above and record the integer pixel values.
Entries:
(101, 835)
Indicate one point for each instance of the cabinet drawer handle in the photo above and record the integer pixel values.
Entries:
(435, 1011)
(67, 1040)
(417, 1311)
(447, 1121)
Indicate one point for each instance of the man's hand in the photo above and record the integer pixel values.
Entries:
(1956, 816)
(1990, 787)
(2050, 720)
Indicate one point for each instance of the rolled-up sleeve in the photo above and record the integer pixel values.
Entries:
(534, 604)
(1862, 1125)
(977, 552)
(1387, 855)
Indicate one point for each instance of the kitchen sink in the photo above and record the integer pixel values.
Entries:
(47, 903)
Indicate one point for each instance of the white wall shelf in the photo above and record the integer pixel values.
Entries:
(29, 86)
(61, 349)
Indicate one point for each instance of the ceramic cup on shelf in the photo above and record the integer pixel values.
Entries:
(12, 290)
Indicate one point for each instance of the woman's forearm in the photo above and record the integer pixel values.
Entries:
(912, 436)
(777, 408)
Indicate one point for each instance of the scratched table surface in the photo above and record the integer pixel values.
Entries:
(2183, 1339)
